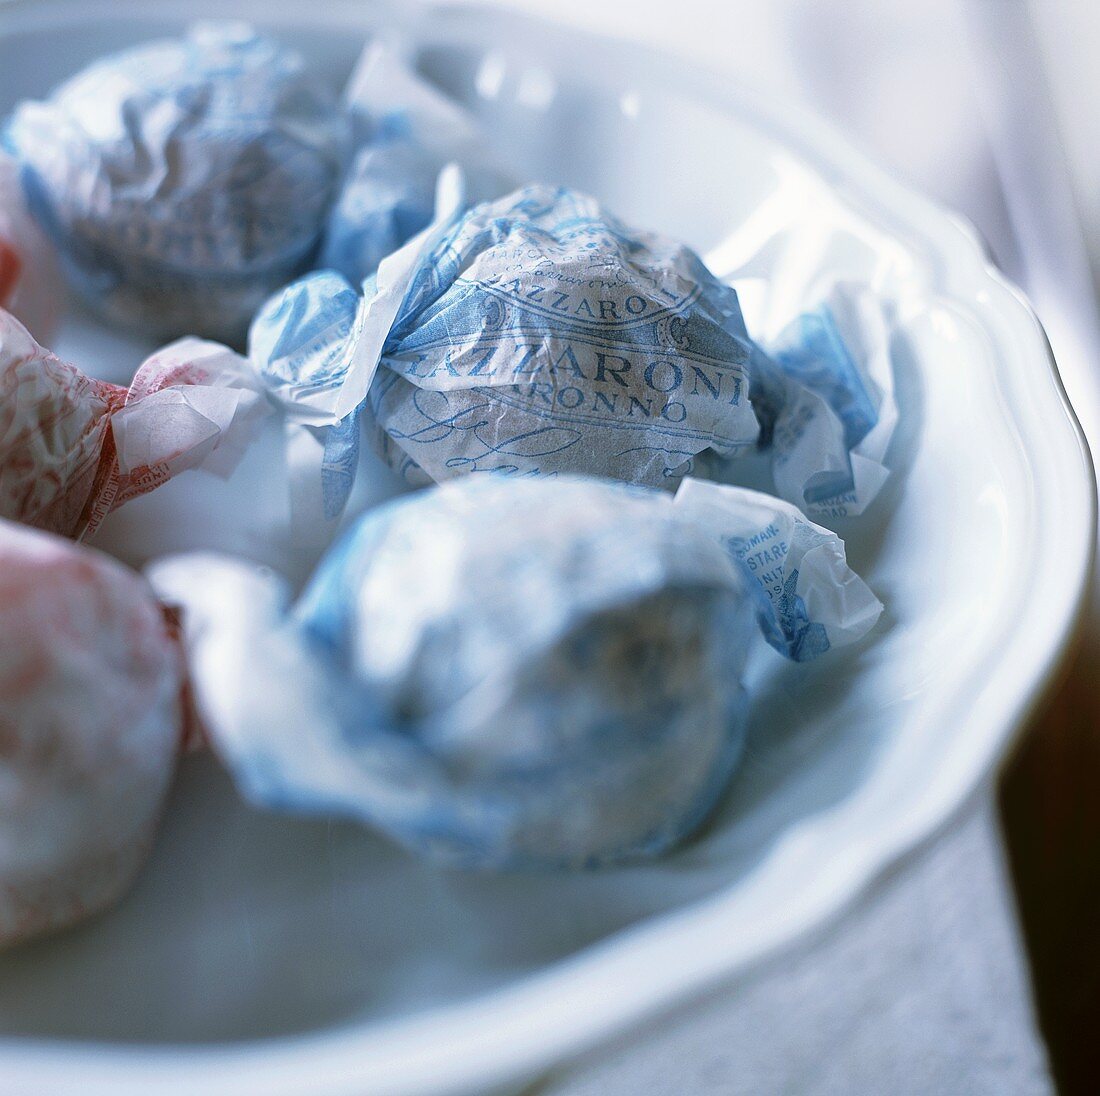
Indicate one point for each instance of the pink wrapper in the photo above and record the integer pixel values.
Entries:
(90, 726)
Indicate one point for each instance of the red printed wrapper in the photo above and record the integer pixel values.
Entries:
(72, 448)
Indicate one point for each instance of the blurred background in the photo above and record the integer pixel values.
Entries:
(992, 107)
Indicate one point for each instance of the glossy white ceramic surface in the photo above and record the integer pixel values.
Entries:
(270, 955)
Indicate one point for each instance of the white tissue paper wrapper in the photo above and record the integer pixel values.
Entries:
(830, 383)
(513, 673)
(812, 600)
(184, 180)
(536, 335)
(269, 508)
(407, 131)
(90, 682)
(214, 463)
(193, 454)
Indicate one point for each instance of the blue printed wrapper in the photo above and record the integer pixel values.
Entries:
(387, 198)
(830, 393)
(537, 335)
(300, 337)
(514, 673)
(808, 598)
(182, 181)
(407, 131)
(541, 336)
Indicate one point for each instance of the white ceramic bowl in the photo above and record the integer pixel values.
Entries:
(270, 955)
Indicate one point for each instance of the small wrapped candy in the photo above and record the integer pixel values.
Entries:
(508, 672)
(90, 726)
(73, 448)
(537, 335)
(182, 181)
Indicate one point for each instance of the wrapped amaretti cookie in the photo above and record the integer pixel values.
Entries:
(514, 672)
(536, 334)
(73, 448)
(184, 180)
(90, 726)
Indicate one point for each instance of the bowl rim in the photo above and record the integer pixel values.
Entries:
(515, 1033)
